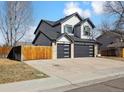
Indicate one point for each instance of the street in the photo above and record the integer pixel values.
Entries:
(116, 85)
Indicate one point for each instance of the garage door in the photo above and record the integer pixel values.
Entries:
(83, 50)
(63, 51)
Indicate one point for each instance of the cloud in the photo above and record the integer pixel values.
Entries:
(72, 7)
(86, 2)
(98, 6)
(86, 13)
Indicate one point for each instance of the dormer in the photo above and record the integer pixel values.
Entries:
(84, 29)
(67, 26)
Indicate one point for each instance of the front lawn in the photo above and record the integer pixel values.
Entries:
(12, 71)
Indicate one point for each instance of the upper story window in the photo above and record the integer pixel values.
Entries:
(68, 29)
(87, 30)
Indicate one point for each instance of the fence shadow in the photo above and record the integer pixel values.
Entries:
(15, 53)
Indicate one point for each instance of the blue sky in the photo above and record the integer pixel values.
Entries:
(54, 10)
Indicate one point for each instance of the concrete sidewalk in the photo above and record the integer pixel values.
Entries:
(33, 85)
(54, 84)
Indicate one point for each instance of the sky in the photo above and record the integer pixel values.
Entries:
(54, 10)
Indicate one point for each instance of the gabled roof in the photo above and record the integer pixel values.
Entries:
(65, 34)
(116, 45)
(45, 21)
(77, 39)
(67, 17)
(51, 34)
(49, 22)
(111, 33)
(54, 23)
(84, 20)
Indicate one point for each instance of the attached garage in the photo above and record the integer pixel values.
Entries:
(81, 50)
(63, 50)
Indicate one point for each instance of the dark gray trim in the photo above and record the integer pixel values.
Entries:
(38, 36)
(88, 20)
(47, 22)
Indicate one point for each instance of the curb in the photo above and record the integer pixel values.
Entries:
(85, 83)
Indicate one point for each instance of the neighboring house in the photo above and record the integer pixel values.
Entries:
(69, 37)
(112, 43)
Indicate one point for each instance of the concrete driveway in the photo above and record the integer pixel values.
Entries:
(78, 69)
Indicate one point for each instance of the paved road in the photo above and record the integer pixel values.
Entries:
(116, 85)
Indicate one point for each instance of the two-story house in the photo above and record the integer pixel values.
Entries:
(69, 37)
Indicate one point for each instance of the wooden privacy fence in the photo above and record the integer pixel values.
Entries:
(36, 52)
(4, 51)
(122, 53)
(110, 52)
(30, 52)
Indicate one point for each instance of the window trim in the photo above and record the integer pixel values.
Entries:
(67, 31)
(86, 31)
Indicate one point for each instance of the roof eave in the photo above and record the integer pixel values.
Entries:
(74, 14)
(38, 26)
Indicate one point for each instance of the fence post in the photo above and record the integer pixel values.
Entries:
(21, 53)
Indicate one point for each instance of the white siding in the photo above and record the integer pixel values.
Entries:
(63, 39)
(72, 21)
(82, 28)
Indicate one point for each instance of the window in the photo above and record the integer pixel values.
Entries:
(68, 29)
(87, 30)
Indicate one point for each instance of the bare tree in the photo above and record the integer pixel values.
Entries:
(105, 26)
(15, 20)
(94, 33)
(116, 9)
